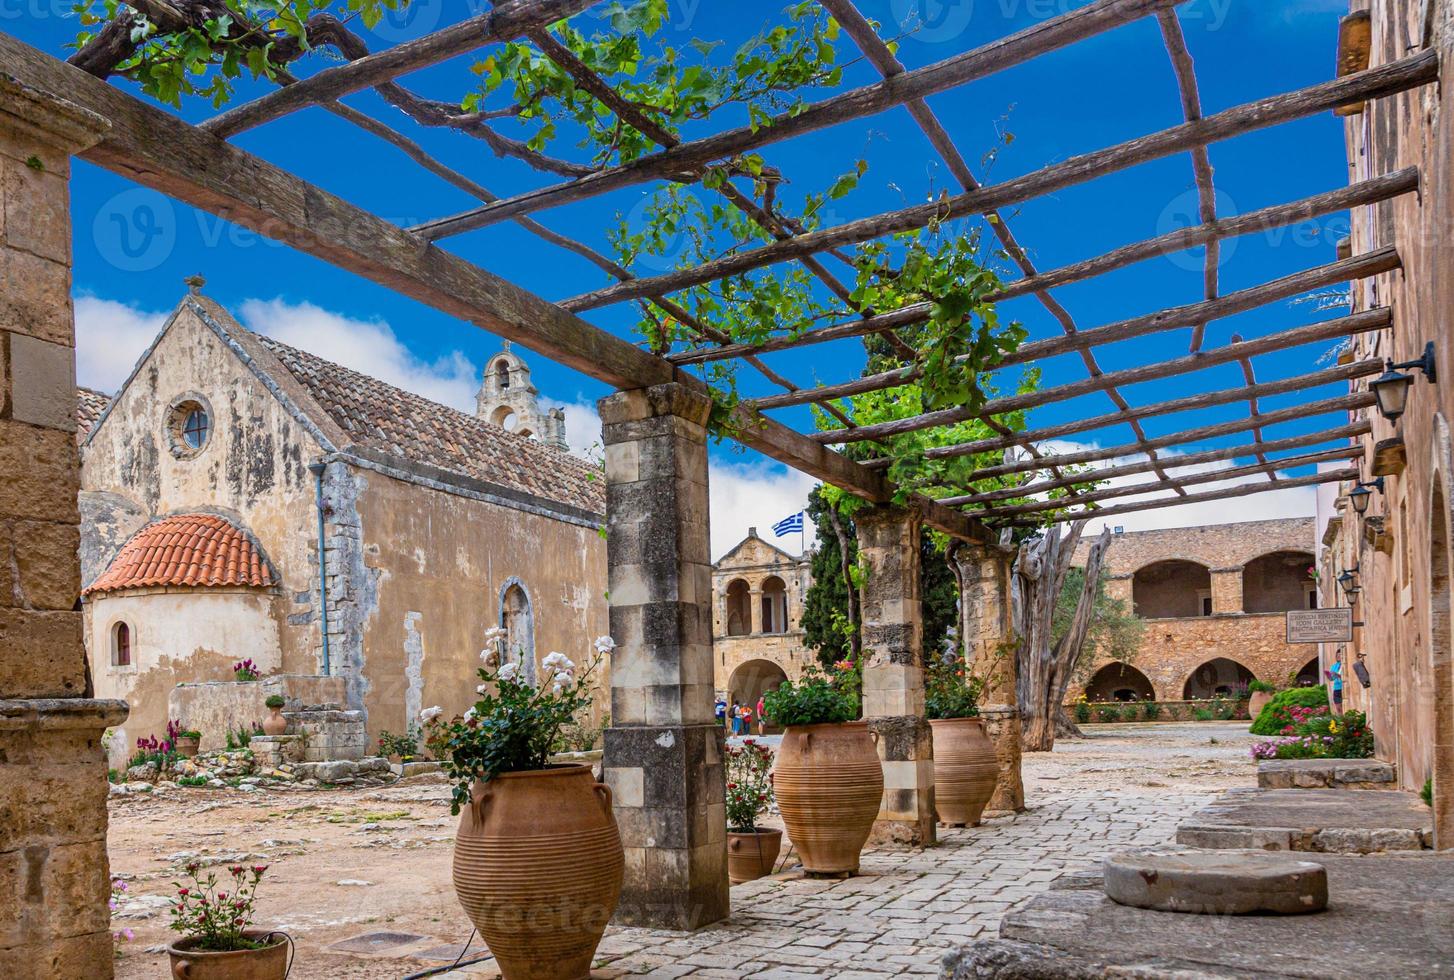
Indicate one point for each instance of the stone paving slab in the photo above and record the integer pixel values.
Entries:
(1326, 774)
(1332, 821)
(1388, 917)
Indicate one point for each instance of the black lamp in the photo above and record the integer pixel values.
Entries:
(1346, 580)
(1391, 388)
(1360, 495)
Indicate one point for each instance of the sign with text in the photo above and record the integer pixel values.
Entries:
(1320, 625)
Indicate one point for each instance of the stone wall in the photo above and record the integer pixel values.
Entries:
(1214, 545)
(216, 707)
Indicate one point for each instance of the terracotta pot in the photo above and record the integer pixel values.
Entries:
(1256, 702)
(187, 748)
(268, 963)
(538, 867)
(275, 723)
(752, 853)
(965, 770)
(829, 786)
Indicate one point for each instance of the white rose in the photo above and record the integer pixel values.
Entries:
(604, 644)
(487, 657)
(481, 689)
(564, 681)
(508, 672)
(471, 713)
(429, 714)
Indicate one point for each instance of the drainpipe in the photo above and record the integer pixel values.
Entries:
(317, 470)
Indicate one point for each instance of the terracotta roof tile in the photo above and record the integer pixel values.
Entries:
(414, 429)
(89, 406)
(200, 550)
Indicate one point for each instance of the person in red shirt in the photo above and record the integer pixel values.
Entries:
(760, 722)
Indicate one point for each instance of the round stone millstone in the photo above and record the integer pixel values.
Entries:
(1216, 882)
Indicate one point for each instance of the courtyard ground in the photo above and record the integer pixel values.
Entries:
(347, 864)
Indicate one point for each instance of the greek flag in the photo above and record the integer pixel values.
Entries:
(789, 525)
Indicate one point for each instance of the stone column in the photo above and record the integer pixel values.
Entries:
(893, 673)
(754, 609)
(664, 749)
(54, 876)
(1227, 590)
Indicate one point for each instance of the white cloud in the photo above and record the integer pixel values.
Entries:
(582, 426)
(110, 339)
(755, 494)
(368, 346)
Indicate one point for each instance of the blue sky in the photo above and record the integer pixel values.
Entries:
(1099, 92)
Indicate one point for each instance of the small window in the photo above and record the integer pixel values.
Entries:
(189, 426)
(121, 645)
(195, 427)
(1206, 600)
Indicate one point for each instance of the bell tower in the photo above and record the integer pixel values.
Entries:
(508, 399)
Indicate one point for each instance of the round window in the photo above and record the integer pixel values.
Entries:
(189, 426)
(194, 428)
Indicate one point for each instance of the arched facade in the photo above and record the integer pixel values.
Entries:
(1172, 589)
(1119, 682)
(751, 679)
(758, 591)
(1279, 581)
(517, 616)
(1218, 677)
(774, 618)
(738, 614)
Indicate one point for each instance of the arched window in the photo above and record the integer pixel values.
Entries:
(1119, 682)
(1219, 677)
(121, 645)
(518, 620)
(1172, 589)
(774, 605)
(739, 608)
(502, 373)
(1278, 582)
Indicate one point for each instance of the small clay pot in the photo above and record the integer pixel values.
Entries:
(965, 770)
(269, 963)
(186, 747)
(752, 853)
(275, 723)
(829, 786)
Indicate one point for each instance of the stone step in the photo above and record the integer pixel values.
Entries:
(1326, 774)
(1328, 821)
(1216, 882)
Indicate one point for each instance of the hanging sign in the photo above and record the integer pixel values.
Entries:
(1320, 625)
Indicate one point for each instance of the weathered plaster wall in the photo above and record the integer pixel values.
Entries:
(440, 563)
(216, 707)
(176, 635)
(1404, 570)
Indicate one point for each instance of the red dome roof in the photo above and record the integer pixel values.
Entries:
(189, 549)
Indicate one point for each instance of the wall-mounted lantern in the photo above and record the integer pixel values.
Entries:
(1360, 495)
(1391, 388)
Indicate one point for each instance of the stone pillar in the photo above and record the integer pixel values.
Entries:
(893, 673)
(664, 750)
(1227, 590)
(54, 876)
(754, 609)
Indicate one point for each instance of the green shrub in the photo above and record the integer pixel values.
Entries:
(275, 701)
(1082, 712)
(191, 780)
(1223, 709)
(1427, 793)
(814, 700)
(1108, 713)
(1202, 714)
(1263, 687)
(1277, 715)
(949, 692)
(1151, 710)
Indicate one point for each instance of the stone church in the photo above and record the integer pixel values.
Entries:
(245, 500)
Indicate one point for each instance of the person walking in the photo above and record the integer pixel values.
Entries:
(1335, 674)
(761, 724)
(736, 718)
(747, 719)
(720, 709)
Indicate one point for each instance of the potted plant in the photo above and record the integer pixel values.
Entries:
(275, 723)
(965, 766)
(828, 779)
(751, 850)
(538, 862)
(215, 920)
(244, 670)
(188, 743)
(1261, 692)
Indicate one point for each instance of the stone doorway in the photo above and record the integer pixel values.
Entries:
(1440, 639)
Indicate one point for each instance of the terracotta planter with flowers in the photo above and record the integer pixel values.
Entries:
(965, 766)
(751, 850)
(268, 962)
(275, 723)
(538, 862)
(214, 916)
(188, 744)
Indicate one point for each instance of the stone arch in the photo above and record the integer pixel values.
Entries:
(501, 367)
(1173, 588)
(1218, 676)
(1309, 674)
(1277, 582)
(752, 679)
(1119, 681)
(517, 616)
(739, 608)
(1441, 640)
(503, 416)
(774, 605)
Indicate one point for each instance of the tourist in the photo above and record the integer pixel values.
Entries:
(736, 718)
(721, 711)
(1335, 674)
(760, 722)
(747, 719)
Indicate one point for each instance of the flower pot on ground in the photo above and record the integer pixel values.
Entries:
(1259, 695)
(275, 723)
(965, 766)
(828, 779)
(538, 862)
(268, 962)
(751, 850)
(214, 916)
(188, 744)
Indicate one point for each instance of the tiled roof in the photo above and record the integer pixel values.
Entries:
(188, 549)
(89, 406)
(414, 429)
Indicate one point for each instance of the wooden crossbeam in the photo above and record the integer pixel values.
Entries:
(508, 20)
(1388, 79)
(1369, 191)
(1040, 38)
(1189, 403)
(1190, 480)
(1246, 490)
(1350, 431)
(160, 151)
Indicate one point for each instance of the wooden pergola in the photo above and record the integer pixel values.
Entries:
(660, 700)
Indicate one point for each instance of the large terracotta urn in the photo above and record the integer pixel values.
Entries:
(275, 723)
(829, 785)
(965, 770)
(271, 962)
(538, 867)
(1256, 702)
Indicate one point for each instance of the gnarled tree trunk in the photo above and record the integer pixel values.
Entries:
(1045, 665)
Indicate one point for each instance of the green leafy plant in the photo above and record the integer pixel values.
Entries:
(1082, 711)
(948, 691)
(1261, 687)
(1222, 708)
(1151, 710)
(192, 781)
(1427, 792)
(404, 746)
(1202, 714)
(1277, 714)
(514, 726)
(214, 914)
(189, 733)
(1108, 713)
(749, 784)
(275, 701)
(816, 699)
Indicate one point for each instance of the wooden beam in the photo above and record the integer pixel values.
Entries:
(1351, 431)
(508, 20)
(1040, 38)
(1369, 320)
(1246, 490)
(1190, 480)
(1342, 403)
(164, 153)
(1369, 191)
(1389, 79)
